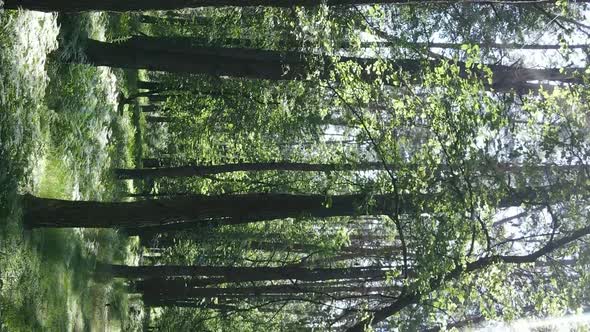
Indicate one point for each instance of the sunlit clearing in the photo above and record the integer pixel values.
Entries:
(566, 323)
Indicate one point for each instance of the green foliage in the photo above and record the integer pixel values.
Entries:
(456, 156)
(51, 121)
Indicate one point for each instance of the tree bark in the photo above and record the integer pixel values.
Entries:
(243, 274)
(182, 55)
(183, 20)
(176, 289)
(155, 302)
(156, 119)
(145, 5)
(350, 251)
(152, 108)
(196, 210)
(185, 171)
(156, 98)
(154, 195)
(457, 46)
(154, 168)
(152, 86)
(156, 162)
(253, 43)
(151, 95)
(186, 212)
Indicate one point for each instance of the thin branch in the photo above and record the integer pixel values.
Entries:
(413, 298)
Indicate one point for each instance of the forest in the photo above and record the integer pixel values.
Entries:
(294, 165)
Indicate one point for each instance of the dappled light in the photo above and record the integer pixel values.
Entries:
(294, 165)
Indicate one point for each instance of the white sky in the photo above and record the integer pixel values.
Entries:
(566, 323)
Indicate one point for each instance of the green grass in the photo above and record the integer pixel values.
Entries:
(60, 135)
(131, 77)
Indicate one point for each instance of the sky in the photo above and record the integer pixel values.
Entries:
(566, 323)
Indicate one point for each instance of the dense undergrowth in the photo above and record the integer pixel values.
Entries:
(60, 133)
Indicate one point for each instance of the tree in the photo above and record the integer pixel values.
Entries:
(414, 297)
(181, 55)
(188, 211)
(406, 195)
(221, 274)
(230, 209)
(113, 5)
(158, 119)
(160, 292)
(153, 169)
(183, 171)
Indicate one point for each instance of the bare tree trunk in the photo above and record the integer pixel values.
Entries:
(195, 210)
(149, 85)
(172, 290)
(157, 119)
(152, 108)
(156, 162)
(185, 171)
(186, 212)
(182, 55)
(242, 274)
(457, 46)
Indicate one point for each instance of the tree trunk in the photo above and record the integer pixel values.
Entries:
(457, 46)
(186, 212)
(181, 55)
(342, 205)
(185, 171)
(172, 290)
(196, 210)
(153, 301)
(156, 98)
(154, 195)
(145, 5)
(243, 274)
(253, 43)
(165, 55)
(153, 96)
(345, 251)
(156, 162)
(284, 247)
(164, 20)
(152, 108)
(148, 85)
(157, 119)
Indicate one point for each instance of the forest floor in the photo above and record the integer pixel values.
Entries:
(60, 135)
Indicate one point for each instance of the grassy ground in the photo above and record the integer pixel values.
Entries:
(60, 134)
